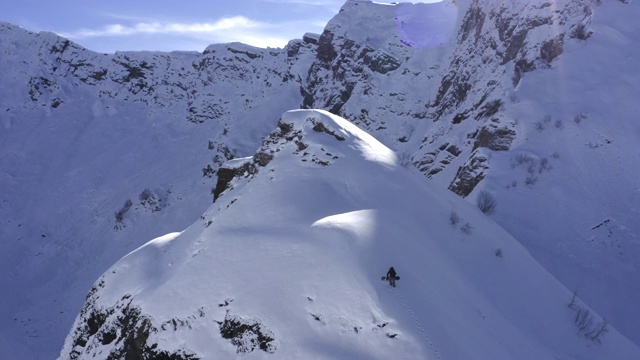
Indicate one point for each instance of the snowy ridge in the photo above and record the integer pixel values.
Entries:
(369, 147)
(295, 252)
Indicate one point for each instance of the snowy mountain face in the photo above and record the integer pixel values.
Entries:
(287, 263)
(529, 101)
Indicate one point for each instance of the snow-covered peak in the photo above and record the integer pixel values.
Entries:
(307, 134)
(388, 26)
(324, 121)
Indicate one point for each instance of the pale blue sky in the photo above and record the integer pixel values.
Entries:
(163, 25)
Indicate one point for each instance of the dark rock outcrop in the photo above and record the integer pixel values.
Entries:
(470, 174)
(121, 328)
(494, 139)
(247, 335)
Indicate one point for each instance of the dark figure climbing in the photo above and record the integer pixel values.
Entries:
(391, 276)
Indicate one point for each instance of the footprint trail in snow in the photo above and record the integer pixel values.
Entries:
(436, 353)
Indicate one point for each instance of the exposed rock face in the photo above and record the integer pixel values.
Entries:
(227, 173)
(335, 70)
(470, 174)
(247, 335)
(319, 127)
(494, 139)
(495, 46)
(123, 330)
(493, 36)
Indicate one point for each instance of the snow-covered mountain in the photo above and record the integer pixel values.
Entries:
(288, 262)
(529, 101)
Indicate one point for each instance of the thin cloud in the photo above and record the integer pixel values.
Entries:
(270, 35)
(199, 34)
(226, 24)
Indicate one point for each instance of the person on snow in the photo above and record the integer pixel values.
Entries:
(391, 276)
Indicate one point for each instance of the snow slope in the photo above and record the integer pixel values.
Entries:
(295, 248)
(531, 101)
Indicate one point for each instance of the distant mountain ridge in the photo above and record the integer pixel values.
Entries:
(511, 104)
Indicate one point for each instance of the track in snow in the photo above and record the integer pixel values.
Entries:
(436, 353)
